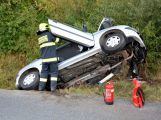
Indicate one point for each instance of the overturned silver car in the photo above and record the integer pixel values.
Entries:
(87, 57)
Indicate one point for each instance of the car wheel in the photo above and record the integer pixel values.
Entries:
(112, 43)
(29, 81)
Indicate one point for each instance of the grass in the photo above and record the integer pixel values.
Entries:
(9, 67)
(123, 89)
(11, 64)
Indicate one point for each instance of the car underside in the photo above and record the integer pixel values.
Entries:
(86, 66)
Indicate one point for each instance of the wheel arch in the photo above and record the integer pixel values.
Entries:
(135, 40)
(138, 48)
(113, 31)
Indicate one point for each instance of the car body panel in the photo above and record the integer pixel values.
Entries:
(128, 32)
(38, 62)
(71, 33)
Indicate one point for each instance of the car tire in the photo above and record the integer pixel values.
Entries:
(112, 43)
(29, 80)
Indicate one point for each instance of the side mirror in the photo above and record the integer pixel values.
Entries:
(84, 27)
(105, 23)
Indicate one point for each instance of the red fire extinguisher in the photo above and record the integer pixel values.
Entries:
(138, 94)
(109, 93)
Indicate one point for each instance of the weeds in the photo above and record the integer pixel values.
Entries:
(123, 89)
(9, 67)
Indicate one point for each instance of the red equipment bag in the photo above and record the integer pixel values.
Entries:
(109, 93)
(138, 94)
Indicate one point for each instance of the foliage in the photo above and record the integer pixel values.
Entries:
(19, 20)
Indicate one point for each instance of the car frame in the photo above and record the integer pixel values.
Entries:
(104, 41)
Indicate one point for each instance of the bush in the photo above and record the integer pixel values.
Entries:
(19, 20)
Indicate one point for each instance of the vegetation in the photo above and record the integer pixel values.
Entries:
(9, 67)
(123, 89)
(19, 20)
